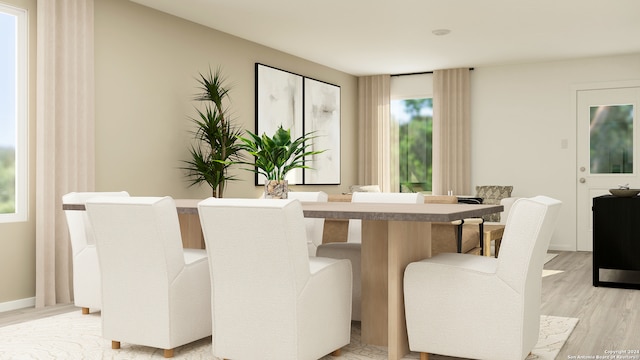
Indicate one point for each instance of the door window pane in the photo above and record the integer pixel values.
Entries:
(611, 139)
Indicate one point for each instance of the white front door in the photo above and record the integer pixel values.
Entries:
(608, 149)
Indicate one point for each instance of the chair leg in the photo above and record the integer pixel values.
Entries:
(85, 311)
(115, 344)
(337, 352)
(168, 353)
(481, 229)
(459, 239)
(424, 356)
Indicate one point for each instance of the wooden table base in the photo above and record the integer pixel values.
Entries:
(387, 248)
(191, 231)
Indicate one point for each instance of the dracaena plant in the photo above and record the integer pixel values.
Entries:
(277, 155)
(217, 145)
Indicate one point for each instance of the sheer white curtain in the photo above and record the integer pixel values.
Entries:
(378, 159)
(451, 132)
(65, 135)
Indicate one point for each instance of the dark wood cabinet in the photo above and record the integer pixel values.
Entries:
(616, 241)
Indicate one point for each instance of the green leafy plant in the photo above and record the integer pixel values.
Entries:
(217, 145)
(277, 155)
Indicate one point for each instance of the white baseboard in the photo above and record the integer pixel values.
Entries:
(17, 304)
(561, 247)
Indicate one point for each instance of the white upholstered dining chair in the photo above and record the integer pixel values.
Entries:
(154, 292)
(315, 226)
(482, 307)
(270, 299)
(351, 249)
(86, 271)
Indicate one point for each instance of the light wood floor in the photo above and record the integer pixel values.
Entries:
(28, 314)
(609, 318)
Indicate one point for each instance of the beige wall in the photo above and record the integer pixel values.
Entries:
(17, 240)
(521, 115)
(146, 64)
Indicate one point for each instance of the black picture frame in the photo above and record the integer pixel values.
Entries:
(303, 105)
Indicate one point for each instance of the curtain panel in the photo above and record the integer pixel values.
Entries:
(65, 152)
(377, 158)
(451, 132)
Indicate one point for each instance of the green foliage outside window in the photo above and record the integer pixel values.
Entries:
(611, 139)
(415, 144)
(7, 180)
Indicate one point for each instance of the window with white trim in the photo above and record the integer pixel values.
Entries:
(13, 114)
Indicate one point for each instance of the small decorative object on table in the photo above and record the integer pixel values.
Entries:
(276, 189)
(624, 191)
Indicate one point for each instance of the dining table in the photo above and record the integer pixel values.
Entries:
(393, 235)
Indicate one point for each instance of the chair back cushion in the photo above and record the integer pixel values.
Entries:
(491, 195)
(524, 244)
(526, 238)
(80, 232)
(355, 226)
(139, 249)
(86, 271)
(315, 226)
(506, 204)
(259, 266)
(150, 295)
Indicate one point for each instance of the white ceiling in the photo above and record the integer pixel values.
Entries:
(365, 37)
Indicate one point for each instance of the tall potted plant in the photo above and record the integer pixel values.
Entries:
(275, 156)
(217, 144)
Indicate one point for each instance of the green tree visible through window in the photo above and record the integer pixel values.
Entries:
(611, 139)
(415, 119)
(7, 180)
(7, 113)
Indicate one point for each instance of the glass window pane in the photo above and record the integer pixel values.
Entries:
(8, 85)
(611, 139)
(415, 122)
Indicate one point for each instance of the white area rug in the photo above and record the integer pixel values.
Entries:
(76, 336)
